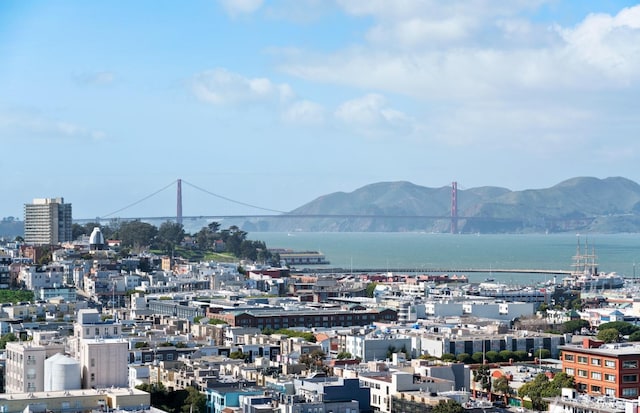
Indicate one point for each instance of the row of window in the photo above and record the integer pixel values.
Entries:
(596, 375)
(596, 361)
(628, 392)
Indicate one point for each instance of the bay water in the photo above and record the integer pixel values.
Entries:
(421, 251)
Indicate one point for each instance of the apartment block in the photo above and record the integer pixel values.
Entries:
(604, 369)
(47, 221)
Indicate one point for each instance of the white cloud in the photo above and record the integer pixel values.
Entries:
(36, 125)
(370, 116)
(305, 112)
(237, 7)
(609, 44)
(220, 87)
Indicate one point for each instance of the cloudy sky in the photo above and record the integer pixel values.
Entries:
(274, 103)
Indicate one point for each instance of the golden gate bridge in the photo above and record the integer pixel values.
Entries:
(269, 213)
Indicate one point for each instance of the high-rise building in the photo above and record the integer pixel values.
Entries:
(47, 221)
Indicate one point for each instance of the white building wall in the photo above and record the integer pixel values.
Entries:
(104, 363)
(25, 366)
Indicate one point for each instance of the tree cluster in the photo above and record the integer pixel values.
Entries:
(542, 387)
(138, 236)
(614, 331)
(497, 357)
(189, 400)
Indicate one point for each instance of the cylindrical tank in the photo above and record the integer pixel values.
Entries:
(61, 373)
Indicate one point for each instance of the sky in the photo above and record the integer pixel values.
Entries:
(271, 104)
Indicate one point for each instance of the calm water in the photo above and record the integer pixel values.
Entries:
(616, 252)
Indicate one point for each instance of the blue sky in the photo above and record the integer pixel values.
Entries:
(274, 103)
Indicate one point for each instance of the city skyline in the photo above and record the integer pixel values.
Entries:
(275, 103)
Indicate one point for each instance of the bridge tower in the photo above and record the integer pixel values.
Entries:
(179, 203)
(454, 207)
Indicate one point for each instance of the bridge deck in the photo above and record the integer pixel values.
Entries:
(327, 270)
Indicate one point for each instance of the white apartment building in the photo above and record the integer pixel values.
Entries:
(375, 346)
(104, 362)
(34, 278)
(47, 221)
(25, 372)
(384, 385)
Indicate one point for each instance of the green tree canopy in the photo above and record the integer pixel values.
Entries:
(449, 406)
(501, 386)
(137, 234)
(542, 387)
(609, 335)
(623, 327)
(572, 326)
(482, 376)
(195, 402)
(5, 338)
(464, 358)
(170, 234)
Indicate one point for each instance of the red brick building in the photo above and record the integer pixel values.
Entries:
(604, 369)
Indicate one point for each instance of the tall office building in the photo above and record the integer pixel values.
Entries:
(47, 221)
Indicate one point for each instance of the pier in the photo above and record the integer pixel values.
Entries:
(402, 270)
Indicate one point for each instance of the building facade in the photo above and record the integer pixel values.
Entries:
(47, 221)
(604, 369)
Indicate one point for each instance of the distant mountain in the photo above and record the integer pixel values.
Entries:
(577, 204)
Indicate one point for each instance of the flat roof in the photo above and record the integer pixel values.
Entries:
(619, 349)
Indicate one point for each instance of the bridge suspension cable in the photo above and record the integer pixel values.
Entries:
(138, 201)
(233, 200)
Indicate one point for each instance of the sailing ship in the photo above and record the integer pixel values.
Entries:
(585, 274)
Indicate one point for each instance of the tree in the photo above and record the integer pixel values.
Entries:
(170, 234)
(635, 336)
(448, 357)
(506, 355)
(315, 359)
(195, 402)
(482, 376)
(449, 406)
(492, 356)
(237, 355)
(609, 335)
(5, 338)
(344, 355)
(477, 357)
(501, 386)
(464, 358)
(370, 289)
(623, 327)
(572, 326)
(137, 234)
(542, 387)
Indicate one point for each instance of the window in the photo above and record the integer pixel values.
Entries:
(630, 364)
(596, 375)
(582, 373)
(632, 391)
(596, 362)
(570, 371)
(630, 378)
(596, 389)
(610, 363)
(609, 391)
(567, 357)
(582, 359)
(93, 362)
(610, 377)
